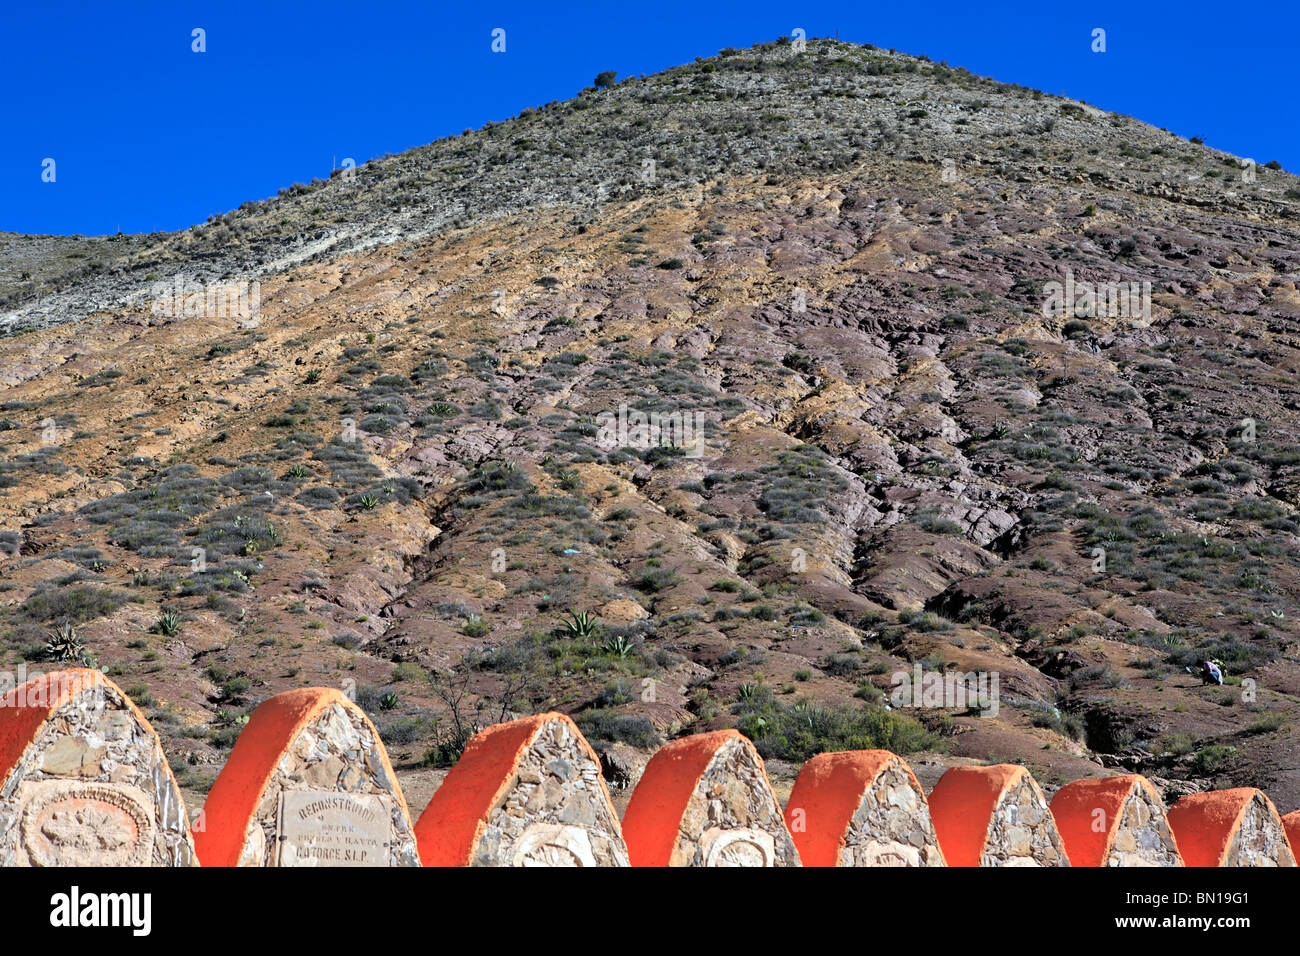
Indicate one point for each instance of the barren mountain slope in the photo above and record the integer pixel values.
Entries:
(401, 480)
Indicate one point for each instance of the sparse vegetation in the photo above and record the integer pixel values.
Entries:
(907, 459)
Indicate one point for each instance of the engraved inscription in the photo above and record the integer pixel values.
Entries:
(326, 828)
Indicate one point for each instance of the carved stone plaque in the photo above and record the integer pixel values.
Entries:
(887, 854)
(550, 844)
(69, 823)
(327, 828)
(738, 847)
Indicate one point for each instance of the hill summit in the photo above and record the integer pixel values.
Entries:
(829, 393)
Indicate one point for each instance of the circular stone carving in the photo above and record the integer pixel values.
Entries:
(739, 847)
(548, 844)
(87, 824)
(888, 854)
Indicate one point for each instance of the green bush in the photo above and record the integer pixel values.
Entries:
(1213, 759)
(74, 604)
(598, 724)
(654, 580)
(798, 731)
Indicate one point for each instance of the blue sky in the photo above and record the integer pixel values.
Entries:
(147, 135)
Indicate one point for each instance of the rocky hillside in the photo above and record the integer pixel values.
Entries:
(402, 473)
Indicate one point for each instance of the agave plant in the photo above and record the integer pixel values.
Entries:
(582, 626)
(618, 644)
(169, 623)
(64, 644)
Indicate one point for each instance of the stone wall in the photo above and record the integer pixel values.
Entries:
(308, 784)
(1114, 821)
(706, 801)
(524, 793)
(1238, 827)
(1291, 823)
(995, 816)
(83, 781)
(861, 808)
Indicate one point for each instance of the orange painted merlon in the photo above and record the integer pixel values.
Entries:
(1291, 824)
(1075, 806)
(26, 707)
(962, 805)
(653, 819)
(451, 824)
(239, 789)
(1205, 823)
(829, 790)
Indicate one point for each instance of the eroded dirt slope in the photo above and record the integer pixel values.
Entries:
(399, 483)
